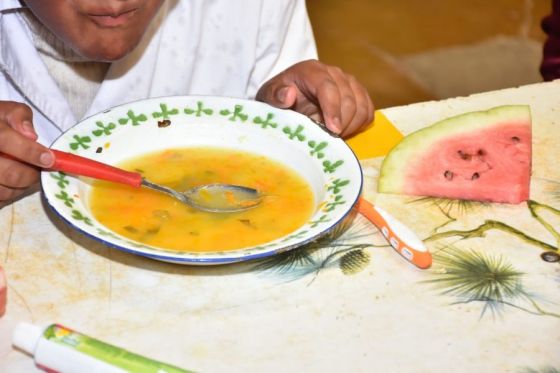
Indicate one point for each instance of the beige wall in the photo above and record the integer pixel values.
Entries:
(407, 51)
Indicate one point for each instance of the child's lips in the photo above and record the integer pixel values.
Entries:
(112, 20)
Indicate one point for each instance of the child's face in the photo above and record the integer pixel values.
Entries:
(102, 30)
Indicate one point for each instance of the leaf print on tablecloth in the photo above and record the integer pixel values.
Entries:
(550, 187)
(345, 248)
(451, 208)
(547, 369)
(473, 276)
(490, 224)
(354, 261)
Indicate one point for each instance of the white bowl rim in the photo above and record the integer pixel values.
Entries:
(210, 258)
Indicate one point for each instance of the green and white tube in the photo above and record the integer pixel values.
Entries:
(59, 349)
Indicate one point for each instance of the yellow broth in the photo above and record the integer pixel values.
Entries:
(159, 220)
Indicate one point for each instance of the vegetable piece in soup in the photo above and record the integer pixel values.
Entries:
(159, 220)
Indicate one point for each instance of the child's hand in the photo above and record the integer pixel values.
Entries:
(18, 142)
(324, 93)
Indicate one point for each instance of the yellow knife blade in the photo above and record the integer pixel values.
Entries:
(377, 139)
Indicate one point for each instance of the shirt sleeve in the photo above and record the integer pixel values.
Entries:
(550, 66)
(285, 38)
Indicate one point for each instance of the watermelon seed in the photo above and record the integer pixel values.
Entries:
(464, 156)
(475, 176)
(515, 139)
(448, 175)
(481, 152)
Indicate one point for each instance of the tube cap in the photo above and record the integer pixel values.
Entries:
(26, 336)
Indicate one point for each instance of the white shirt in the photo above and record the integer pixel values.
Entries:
(210, 47)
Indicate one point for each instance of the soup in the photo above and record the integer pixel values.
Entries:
(159, 220)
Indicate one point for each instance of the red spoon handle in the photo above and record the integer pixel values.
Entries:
(74, 164)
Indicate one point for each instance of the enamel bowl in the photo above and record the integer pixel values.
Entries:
(130, 130)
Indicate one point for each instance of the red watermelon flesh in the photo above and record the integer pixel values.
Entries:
(491, 165)
(483, 156)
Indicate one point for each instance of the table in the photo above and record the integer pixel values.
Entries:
(346, 303)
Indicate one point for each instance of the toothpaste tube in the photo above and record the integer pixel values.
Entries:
(59, 349)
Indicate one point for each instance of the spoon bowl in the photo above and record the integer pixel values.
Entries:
(218, 198)
(213, 197)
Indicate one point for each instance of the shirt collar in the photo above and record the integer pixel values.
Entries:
(6, 5)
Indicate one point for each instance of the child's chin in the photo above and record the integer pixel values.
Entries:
(105, 55)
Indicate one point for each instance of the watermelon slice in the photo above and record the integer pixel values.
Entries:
(483, 156)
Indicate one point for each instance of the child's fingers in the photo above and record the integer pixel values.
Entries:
(278, 94)
(8, 194)
(321, 91)
(348, 104)
(22, 148)
(364, 108)
(329, 100)
(18, 116)
(14, 174)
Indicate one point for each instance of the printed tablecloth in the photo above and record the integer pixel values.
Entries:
(489, 303)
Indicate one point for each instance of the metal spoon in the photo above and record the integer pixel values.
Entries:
(209, 197)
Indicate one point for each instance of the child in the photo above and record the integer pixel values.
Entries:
(63, 60)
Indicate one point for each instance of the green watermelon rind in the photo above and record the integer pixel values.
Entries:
(393, 170)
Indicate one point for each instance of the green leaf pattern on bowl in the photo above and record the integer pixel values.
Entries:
(235, 114)
(200, 109)
(134, 119)
(103, 129)
(165, 112)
